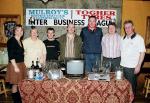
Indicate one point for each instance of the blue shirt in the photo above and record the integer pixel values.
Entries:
(91, 40)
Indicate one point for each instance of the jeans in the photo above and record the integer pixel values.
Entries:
(131, 77)
(90, 61)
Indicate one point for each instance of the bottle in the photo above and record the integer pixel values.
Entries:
(37, 65)
(37, 71)
(95, 67)
(63, 68)
(32, 66)
(31, 71)
(40, 68)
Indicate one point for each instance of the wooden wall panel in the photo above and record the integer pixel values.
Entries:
(3, 19)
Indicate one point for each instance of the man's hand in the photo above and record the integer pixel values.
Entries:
(137, 69)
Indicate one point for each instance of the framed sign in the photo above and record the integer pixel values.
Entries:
(9, 28)
(147, 37)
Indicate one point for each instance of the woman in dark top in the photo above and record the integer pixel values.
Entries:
(52, 45)
(16, 70)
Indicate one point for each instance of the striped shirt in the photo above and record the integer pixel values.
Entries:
(69, 50)
(111, 45)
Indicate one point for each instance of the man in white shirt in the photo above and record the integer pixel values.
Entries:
(34, 49)
(132, 53)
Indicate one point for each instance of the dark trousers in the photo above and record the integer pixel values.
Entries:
(115, 62)
(16, 97)
(131, 77)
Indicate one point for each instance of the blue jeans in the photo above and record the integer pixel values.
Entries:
(90, 60)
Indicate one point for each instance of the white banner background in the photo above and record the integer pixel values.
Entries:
(62, 17)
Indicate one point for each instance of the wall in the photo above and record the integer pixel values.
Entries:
(72, 4)
(136, 10)
(11, 7)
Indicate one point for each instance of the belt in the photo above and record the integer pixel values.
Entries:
(111, 58)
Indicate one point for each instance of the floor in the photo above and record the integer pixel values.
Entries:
(140, 98)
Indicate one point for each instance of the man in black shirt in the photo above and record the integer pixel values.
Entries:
(52, 45)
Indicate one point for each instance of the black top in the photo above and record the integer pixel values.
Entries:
(53, 49)
(15, 51)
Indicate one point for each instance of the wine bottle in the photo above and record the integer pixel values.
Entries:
(37, 65)
(32, 66)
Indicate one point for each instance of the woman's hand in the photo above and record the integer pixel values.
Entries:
(16, 69)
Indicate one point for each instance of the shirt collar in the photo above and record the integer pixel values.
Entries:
(132, 37)
(93, 29)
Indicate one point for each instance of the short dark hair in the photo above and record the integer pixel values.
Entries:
(32, 28)
(18, 25)
(128, 21)
(112, 23)
(92, 16)
(51, 29)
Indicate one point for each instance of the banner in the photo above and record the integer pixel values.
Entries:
(62, 17)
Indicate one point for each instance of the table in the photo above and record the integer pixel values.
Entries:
(76, 91)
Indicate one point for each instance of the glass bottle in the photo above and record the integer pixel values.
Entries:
(31, 71)
(32, 66)
(95, 68)
(37, 65)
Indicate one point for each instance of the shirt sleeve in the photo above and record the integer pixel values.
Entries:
(101, 32)
(81, 35)
(10, 49)
(142, 46)
(58, 47)
(24, 46)
(119, 42)
(102, 44)
(43, 48)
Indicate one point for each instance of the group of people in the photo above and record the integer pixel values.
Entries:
(127, 51)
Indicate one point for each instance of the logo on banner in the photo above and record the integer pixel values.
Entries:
(62, 17)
